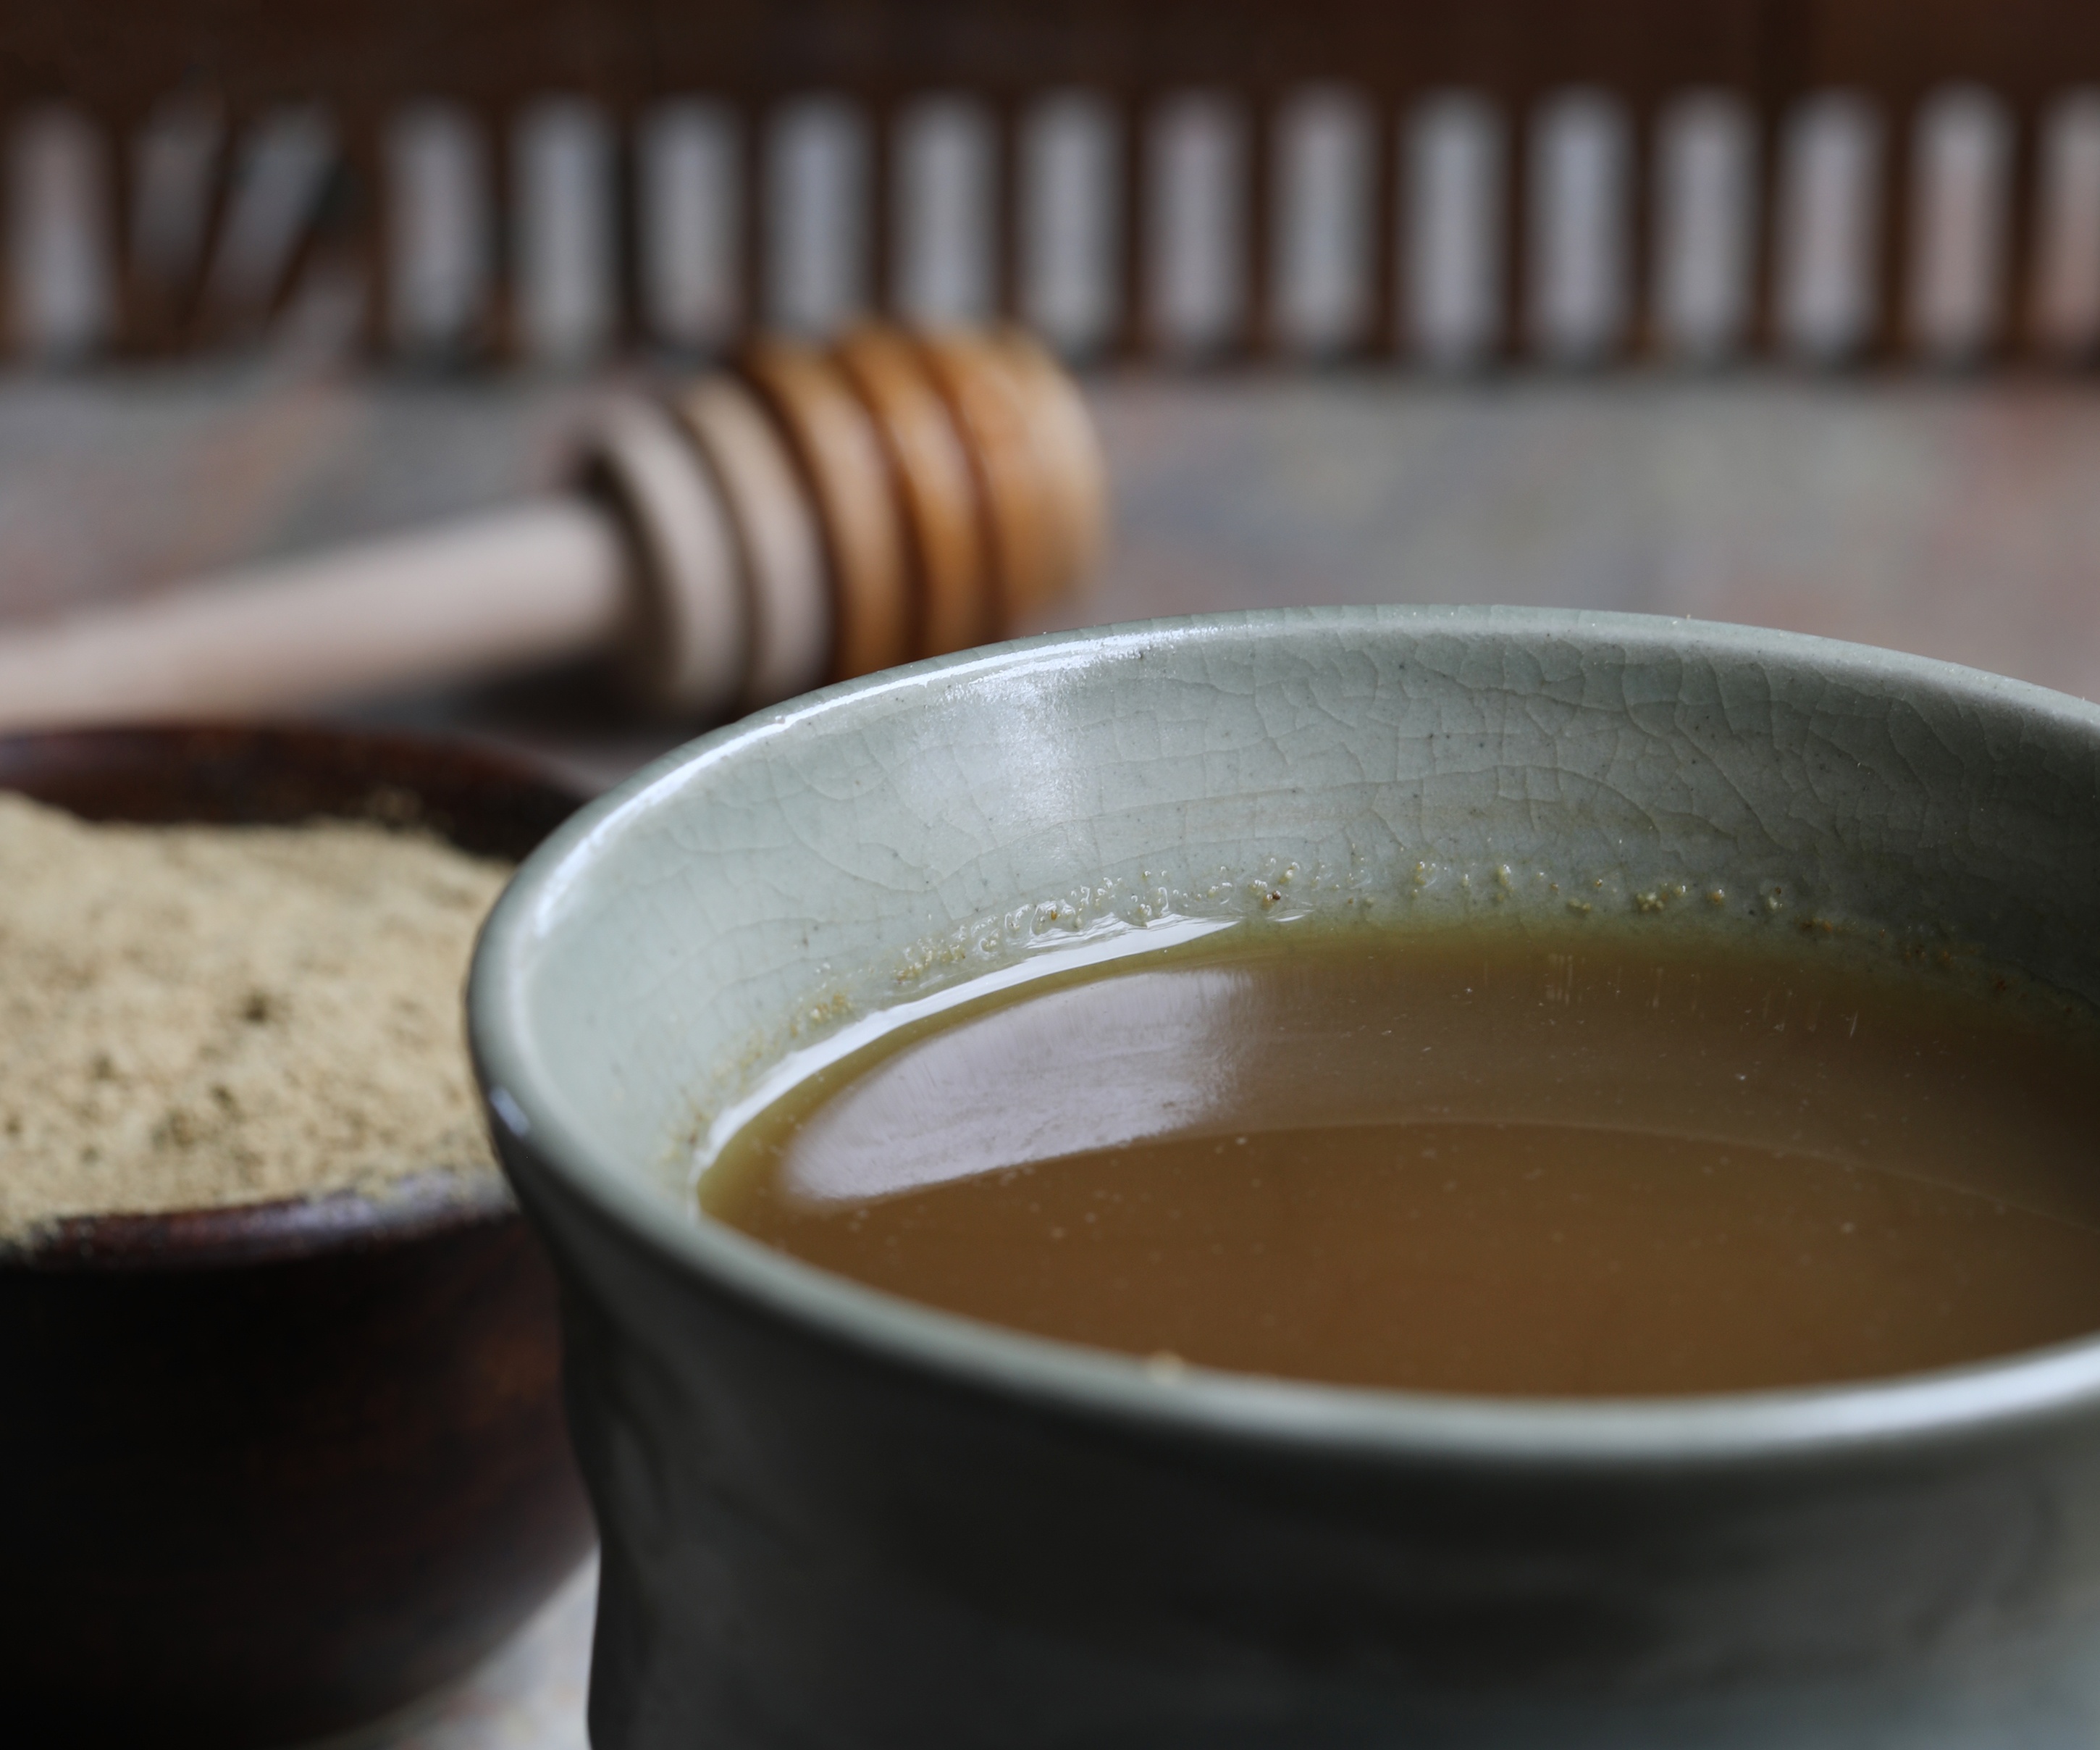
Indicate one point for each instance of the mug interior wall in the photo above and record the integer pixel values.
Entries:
(880, 840)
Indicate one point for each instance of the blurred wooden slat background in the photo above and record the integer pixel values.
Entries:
(1976, 117)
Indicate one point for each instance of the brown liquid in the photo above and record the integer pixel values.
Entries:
(1498, 1161)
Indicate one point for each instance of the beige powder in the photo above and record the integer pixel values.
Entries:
(201, 1016)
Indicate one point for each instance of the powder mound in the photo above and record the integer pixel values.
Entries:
(199, 1016)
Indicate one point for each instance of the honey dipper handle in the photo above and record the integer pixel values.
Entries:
(498, 592)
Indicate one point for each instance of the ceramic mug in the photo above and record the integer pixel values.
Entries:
(834, 1519)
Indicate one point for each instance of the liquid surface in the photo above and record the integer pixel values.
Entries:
(1487, 1161)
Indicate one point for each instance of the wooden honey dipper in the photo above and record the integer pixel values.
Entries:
(811, 514)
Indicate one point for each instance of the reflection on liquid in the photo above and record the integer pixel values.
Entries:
(1057, 1075)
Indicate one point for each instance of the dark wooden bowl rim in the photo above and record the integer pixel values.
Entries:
(256, 1233)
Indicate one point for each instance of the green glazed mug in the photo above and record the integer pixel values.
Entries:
(834, 1519)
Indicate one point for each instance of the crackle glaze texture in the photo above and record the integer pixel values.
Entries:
(831, 1519)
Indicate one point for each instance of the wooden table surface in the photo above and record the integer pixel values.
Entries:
(1959, 519)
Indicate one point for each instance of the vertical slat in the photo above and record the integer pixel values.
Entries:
(438, 250)
(943, 263)
(1578, 234)
(1456, 186)
(1829, 253)
(818, 214)
(689, 214)
(1197, 152)
(565, 267)
(2063, 308)
(1323, 225)
(1072, 223)
(1954, 272)
(1702, 262)
(61, 277)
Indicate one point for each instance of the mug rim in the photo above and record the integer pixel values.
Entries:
(1954, 1406)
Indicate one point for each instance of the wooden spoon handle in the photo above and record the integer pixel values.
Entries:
(498, 592)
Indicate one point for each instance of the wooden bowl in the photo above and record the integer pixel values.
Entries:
(273, 1471)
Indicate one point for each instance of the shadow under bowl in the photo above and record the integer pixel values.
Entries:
(276, 1470)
